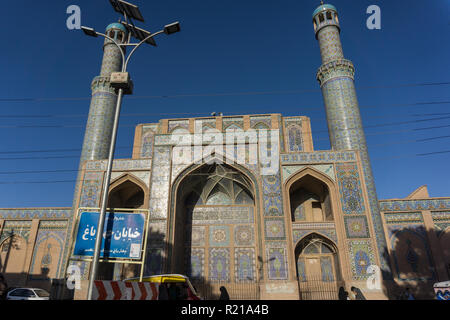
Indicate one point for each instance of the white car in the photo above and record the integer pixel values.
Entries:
(28, 294)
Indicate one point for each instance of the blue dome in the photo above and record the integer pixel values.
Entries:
(117, 26)
(324, 7)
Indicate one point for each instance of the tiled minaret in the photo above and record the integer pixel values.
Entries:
(336, 78)
(97, 136)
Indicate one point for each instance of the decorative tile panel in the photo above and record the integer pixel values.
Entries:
(245, 264)
(244, 235)
(274, 229)
(225, 215)
(361, 257)
(356, 227)
(91, 189)
(318, 157)
(410, 205)
(277, 263)
(219, 236)
(350, 188)
(219, 264)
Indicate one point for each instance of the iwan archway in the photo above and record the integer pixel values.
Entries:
(214, 225)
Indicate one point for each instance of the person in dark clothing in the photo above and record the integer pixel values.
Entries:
(224, 294)
(343, 295)
(3, 287)
(358, 294)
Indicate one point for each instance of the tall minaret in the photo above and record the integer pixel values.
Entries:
(98, 132)
(97, 136)
(336, 78)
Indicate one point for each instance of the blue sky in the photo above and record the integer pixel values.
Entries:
(225, 49)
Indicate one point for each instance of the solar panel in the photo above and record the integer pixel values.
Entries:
(139, 33)
(128, 9)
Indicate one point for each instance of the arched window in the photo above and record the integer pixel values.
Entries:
(321, 18)
(310, 200)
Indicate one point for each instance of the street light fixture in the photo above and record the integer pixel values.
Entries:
(89, 31)
(121, 81)
(172, 28)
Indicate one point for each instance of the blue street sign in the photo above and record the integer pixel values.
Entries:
(123, 235)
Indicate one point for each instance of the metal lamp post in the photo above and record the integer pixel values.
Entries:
(122, 82)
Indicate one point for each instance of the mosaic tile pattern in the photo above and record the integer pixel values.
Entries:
(245, 266)
(260, 122)
(361, 257)
(56, 230)
(198, 236)
(148, 137)
(219, 236)
(233, 123)
(178, 124)
(408, 205)
(350, 188)
(219, 264)
(298, 235)
(356, 227)
(226, 215)
(327, 169)
(405, 217)
(17, 227)
(277, 263)
(160, 183)
(244, 235)
(330, 44)
(274, 229)
(38, 213)
(201, 125)
(318, 157)
(294, 134)
(91, 189)
(440, 215)
(196, 265)
(120, 164)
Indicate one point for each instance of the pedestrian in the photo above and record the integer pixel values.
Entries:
(3, 287)
(358, 294)
(163, 292)
(343, 295)
(408, 295)
(224, 294)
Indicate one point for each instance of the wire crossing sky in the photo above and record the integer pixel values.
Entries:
(234, 57)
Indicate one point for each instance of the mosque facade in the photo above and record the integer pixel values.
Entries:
(243, 201)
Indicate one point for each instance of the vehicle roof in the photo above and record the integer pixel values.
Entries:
(155, 278)
(26, 288)
(442, 284)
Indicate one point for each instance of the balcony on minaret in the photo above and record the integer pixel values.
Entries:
(323, 16)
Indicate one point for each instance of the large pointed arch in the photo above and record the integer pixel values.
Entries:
(175, 212)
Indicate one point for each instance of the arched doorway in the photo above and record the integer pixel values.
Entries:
(317, 268)
(125, 193)
(215, 237)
